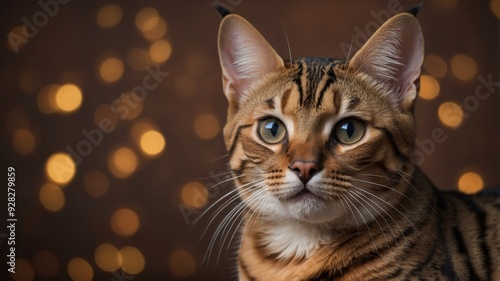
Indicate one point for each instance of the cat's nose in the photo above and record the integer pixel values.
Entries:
(305, 169)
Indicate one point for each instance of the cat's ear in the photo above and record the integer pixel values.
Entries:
(394, 56)
(245, 57)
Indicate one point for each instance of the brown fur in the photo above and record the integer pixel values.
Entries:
(384, 220)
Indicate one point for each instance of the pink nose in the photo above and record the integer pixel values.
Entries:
(305, 169)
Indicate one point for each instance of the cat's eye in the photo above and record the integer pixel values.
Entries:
(349, 131)
(272, 130)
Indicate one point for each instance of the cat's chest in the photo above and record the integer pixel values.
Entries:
(293, 240)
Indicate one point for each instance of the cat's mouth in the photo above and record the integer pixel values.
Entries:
(302, 194)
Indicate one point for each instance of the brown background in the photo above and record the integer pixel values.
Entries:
(69, 48)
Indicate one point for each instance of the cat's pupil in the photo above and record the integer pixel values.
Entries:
(348, 128)
(273, 128)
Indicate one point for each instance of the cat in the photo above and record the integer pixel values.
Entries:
(320, 153)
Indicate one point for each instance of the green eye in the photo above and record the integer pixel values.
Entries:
(272, 130)
(349, 131)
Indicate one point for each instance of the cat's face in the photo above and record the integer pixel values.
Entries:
(320, 140)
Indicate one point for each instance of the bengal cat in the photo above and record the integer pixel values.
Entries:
(320, 152)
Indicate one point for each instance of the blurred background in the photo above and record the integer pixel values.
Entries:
(112, 113)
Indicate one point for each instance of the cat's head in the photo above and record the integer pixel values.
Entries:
(316, 139)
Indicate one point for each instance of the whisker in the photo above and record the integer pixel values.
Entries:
(417, 191)
(287, 42)
(393, 207)
(360, 214)
(396, 191)
(377, 205)
(356, 197)
(342, 199)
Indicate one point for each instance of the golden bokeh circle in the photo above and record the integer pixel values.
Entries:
(52, 197)
(206, 126)
(470, 183)
(80, 270)
(24, 271)
(107, 257)
(182, 264)
(463, 67)
(122, 162)
(125, 222)
(111, 69)
(435, 66)
(23, 141)
(450, 114)
(160, 51)
(194, 194)
(429, 87)
(68, 98)
(152, 142)
(109, 15)
(60, 168)
(133, 260)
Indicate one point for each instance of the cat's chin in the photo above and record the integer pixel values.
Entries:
(308, 207)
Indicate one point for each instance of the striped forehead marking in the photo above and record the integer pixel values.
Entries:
(312, 73)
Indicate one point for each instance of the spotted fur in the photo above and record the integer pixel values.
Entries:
(316, 208)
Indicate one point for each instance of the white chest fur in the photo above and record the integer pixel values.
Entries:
(292, 239)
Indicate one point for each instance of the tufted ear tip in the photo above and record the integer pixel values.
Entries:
(221, 10)
(414, 10)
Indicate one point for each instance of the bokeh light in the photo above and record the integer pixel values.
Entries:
(133, 260)
(495, 8)
(160, 51)
(140, 127)
(52, 197)
(429, 87)
(68, 97)
(122, 162)
(24, 271)
(185, 86)
(46, 99)
(60, 168)
(80, 270)
(46, 264)
(96, 183)
(435, 66)
(463, 67)
(156, 32)
(107, 257)
(450, 114)
(206, 126)
(197, 64)
(147, 19)
(130, 106)
(125, 222)
(111, 69)
(109, 15)
(23, 141)
(194, 194)
(182, 264)
(152, 142)
(17, 38)
(470, 183)
(138, 59)
(104, 115)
